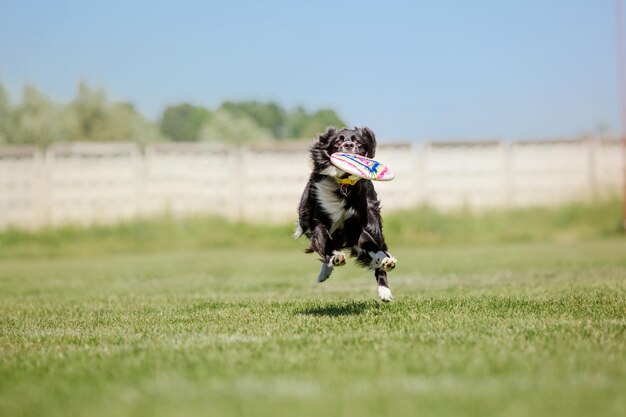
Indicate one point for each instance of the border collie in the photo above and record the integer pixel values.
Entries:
(340, 211)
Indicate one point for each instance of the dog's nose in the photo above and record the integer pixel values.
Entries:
(349, 146)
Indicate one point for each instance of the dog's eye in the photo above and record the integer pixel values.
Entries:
(341, 137)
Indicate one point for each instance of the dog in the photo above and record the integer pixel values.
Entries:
(339, 211)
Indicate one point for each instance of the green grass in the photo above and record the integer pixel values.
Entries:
(423, 226)
(565, 223)
(515, 324)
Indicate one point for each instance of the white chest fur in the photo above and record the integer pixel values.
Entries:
(334, 205)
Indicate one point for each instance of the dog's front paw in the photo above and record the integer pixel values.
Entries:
(388, 263)
(383, 260)
(384, 293)
(338, 258)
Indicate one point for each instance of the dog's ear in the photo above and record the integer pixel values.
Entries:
(324, 139)
(371, 138)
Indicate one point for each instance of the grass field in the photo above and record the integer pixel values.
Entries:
(182, 319)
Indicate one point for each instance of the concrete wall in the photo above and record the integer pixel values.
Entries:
(91, 183)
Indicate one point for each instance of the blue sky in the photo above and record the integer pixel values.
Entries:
(412, 70)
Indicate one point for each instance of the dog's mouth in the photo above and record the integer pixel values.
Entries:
(352, 150)
(340, 150)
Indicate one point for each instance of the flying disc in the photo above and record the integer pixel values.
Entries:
(361, 166)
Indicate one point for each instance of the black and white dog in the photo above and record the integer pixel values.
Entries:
(340, 211)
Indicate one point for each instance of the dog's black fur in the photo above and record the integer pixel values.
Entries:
(335, 216)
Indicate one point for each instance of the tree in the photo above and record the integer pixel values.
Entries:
(303, 125)
(269, 116)
(89, 111)
(91, 117)
(37, 120)
(143, 131)
(5, 115)
(225, 127)
(122, 122)
(184, 122)
(297, 122)
(98, 120)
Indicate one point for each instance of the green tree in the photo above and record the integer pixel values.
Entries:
(300, 124)
(269, 116)
(37, 120)
(143, 131)
(90, 112)
(225, 127)
(96, 119)
(184, 122)
(91, 117)
(297, 122)
(5, 115)
(123, 123)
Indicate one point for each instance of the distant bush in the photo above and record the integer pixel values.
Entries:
(182, 123)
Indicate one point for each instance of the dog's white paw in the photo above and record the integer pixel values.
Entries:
(338, 258)
(384, 293)
(388, 263)
(325, 272)
(382, 260)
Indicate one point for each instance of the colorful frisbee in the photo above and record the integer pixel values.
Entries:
(361, 166)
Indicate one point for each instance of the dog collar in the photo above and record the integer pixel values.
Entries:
(351, 180)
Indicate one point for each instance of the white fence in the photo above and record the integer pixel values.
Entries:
(103, 183)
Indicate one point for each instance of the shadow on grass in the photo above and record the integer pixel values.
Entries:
(349, 308)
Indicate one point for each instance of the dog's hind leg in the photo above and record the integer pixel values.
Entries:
(383, 287)
(322, 243)
(371, 251)
(336, 259)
